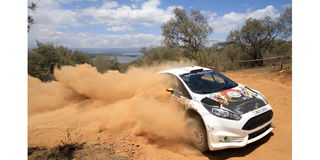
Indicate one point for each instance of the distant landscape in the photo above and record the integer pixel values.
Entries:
(108, 50)
(122, 55)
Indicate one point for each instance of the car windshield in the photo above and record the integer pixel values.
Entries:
(207, 81)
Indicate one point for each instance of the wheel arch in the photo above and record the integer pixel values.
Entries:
(191, 113)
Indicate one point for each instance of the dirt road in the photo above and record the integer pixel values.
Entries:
(75, 111)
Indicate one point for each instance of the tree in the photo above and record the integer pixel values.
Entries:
(38, 68)
(45, 57)
(32, 7)
(189, 32)
(255, 37)
(285, 20)
(155, 55)
(105, 63)
(80, 57)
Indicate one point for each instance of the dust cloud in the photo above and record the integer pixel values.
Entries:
(88, 102)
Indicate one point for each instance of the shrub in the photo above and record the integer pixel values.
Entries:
(45, 57)
(156, 55)
(105, 63)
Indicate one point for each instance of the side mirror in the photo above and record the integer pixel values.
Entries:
(169, 90)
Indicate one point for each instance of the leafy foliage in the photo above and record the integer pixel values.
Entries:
(45, 57)
(156, 55)
(104, 63)
(31, 7)
(189, 32)
(256, 37)
(285, 20)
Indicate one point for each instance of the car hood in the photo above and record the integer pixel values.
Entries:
(240, 99)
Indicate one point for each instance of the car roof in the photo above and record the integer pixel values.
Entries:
(183, 70)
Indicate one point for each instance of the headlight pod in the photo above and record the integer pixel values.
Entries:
(224, 114)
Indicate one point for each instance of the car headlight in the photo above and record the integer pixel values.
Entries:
(224, 113)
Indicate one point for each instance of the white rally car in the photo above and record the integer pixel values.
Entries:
(220, 112)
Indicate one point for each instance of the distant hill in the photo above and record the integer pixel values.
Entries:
(110, 51)
(122, 54)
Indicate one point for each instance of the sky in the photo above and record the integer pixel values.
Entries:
(135, 23)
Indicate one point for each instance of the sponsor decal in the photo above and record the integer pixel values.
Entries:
(234, 94)
(246, 93)
(184, 101)
(239, 100)
(259, 111)
(221, 98)
(227, 96)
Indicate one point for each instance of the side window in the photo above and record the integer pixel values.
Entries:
(182, 90)
(172, 81)
(178, 87)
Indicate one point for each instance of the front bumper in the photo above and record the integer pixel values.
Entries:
(226, 140)
(223, 133)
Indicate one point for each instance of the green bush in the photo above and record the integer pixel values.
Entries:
(105, 63)
(156, 55)
(45, 57)
(220, 57)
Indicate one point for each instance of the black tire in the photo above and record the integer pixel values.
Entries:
(197, 133)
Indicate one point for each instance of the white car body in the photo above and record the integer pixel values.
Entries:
(227, 133)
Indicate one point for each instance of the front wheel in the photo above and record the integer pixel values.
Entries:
(197, 133)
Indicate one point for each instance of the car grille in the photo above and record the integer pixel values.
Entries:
(258, 120)
(257, 133)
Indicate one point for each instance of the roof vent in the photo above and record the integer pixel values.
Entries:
(196, 70)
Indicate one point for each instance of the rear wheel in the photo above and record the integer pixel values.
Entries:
(197, 133)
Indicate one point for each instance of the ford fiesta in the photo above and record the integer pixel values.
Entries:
(220, 112)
